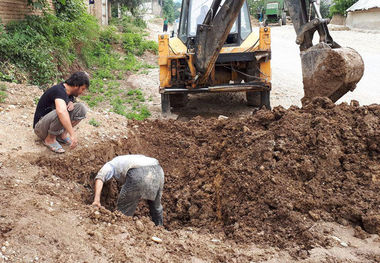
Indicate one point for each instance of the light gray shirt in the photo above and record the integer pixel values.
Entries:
(119, 166)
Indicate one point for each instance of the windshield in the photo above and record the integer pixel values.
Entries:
(245, 22)
(198, 11)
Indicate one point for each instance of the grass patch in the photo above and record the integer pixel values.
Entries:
(130, 104)
(3, 93)
(94, 122)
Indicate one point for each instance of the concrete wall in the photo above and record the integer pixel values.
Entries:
(338, 20)
(15, 10)
(152, 7)
(156, 8)
(366, 19)
(101, 9)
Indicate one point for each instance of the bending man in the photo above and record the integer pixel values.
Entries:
(142, 178)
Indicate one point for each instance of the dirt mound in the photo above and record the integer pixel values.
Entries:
(266, 178)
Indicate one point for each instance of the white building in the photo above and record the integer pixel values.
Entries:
(364, 14)
(153, 7)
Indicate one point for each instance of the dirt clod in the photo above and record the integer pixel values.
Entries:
(372, 224)
(139, 226)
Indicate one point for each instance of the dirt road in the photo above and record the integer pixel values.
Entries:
(287, 72)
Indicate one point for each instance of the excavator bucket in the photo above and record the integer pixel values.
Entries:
(330, 72)
(328, 69)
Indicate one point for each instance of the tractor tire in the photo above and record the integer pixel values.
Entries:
(284, 19)
(265, 100)
(178, 100)
(253, 98)
(165, 104)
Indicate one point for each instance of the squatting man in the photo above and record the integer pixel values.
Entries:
(142, 178)
(57, 113)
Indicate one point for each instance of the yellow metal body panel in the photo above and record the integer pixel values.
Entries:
(265, 44)
(173, 49)
(177, 46)
(164, 61)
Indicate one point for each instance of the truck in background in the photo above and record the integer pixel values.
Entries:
(275, 12)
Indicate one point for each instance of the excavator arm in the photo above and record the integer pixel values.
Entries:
(212, 35)
(328, 69)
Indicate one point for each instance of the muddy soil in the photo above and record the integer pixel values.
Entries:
(266, 179)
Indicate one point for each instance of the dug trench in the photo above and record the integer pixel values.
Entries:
(267, 178)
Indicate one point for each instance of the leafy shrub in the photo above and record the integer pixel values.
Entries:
(109, 35)
(69, 9)
(46, 46)
(340, 6)
(130, 24)
(134, 43)
(3, 93)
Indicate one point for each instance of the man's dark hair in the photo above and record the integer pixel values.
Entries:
(78, 79)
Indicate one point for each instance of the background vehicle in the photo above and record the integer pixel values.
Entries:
(275, 12)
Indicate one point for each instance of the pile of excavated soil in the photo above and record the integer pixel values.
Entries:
(266, 178)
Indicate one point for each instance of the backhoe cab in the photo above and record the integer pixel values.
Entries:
(215, 50)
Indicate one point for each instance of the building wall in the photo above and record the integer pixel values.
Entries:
(366, 19)
(101, 9)
(152, 7)
(15, 10)
(338, 20)
(156, 8)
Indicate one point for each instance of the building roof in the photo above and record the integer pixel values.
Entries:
(364, 5)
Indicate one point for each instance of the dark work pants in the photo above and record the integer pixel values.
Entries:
(143, 183)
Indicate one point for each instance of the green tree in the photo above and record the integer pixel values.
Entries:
(325, 9)
(132, 5)
(168, 10)
(255, 6)
(177, 10)
(37, 4)
(340, 6)
(69, 9)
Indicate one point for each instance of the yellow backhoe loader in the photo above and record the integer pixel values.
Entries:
(216, 50)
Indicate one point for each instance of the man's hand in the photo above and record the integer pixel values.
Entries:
(97, 204)
(70, 106)
(74, 141)
(98, 190)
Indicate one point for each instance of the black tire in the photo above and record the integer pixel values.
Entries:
(284, 19)
(253, 98)
(165, 104)
(178, 100)
(265, 99)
